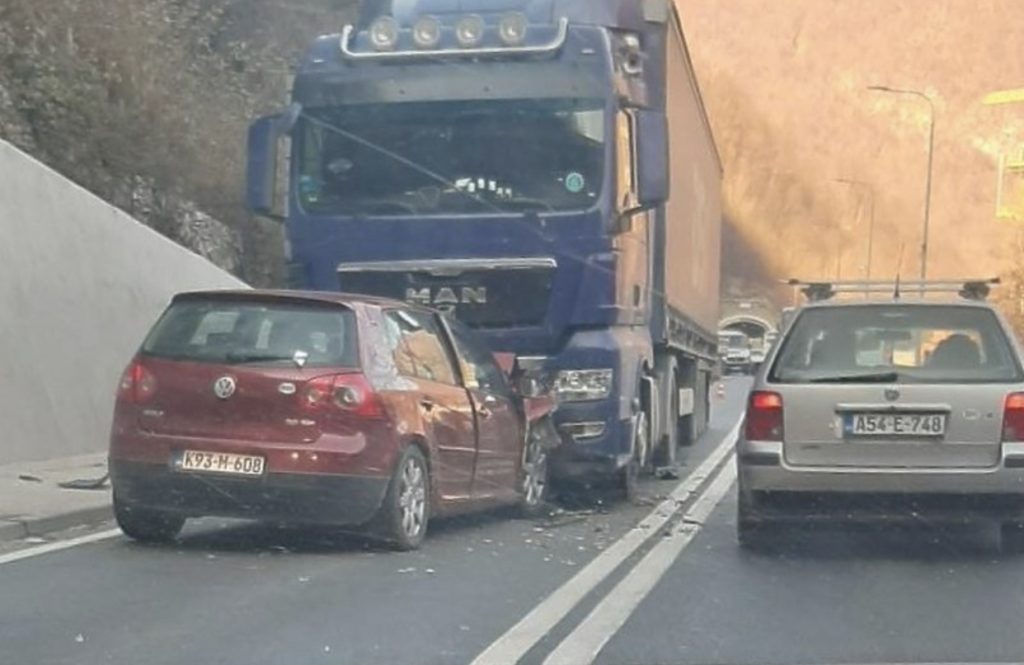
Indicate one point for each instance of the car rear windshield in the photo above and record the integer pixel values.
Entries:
(251, 332)
(889, 343)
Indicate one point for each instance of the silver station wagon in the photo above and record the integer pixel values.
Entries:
(907, 407)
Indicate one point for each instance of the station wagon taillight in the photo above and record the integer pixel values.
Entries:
(351, 393)
(137, 383)
(764, 416)
(1013, 417)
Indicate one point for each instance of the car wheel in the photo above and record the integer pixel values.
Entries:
(534, 483)
(1011, 537)
(145, 524)
(750, 530)
(402, 520)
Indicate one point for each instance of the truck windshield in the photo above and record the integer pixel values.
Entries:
(452, 157)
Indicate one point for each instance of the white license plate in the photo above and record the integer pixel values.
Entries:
(894, 425)
(207, 462)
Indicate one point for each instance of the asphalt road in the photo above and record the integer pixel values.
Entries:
(582, 585)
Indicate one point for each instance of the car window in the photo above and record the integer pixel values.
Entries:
(417, 346)
(253, 332)
(476, 361)
(929, 344)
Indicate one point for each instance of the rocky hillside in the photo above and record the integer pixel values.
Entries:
(146, 102)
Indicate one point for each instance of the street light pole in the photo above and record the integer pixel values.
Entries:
(928, 182)
(871, 219)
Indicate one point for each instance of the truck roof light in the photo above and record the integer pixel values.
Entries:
(469, 31)
(427, 32)
(512, 29)
(384, 33)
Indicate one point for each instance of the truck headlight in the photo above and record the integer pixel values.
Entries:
(578, 385)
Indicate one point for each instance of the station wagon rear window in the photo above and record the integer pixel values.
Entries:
(893, 343)
(252, 332)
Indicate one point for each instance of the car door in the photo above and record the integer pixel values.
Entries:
(444, 405)
(499, 423)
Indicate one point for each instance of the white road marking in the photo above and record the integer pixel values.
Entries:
(57, 546)
(583, 644)
(519, 639)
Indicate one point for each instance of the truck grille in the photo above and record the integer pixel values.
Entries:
(495, 293)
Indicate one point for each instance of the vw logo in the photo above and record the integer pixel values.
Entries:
(892, 393)
(224, 387)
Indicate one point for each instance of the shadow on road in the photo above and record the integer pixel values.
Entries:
(925, 542)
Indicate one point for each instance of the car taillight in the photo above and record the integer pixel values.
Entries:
(1013, 417)
(764, 417)
(351, 393)
(137, 383)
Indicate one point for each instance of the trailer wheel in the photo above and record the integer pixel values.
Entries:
(689, 426)
(668, 430)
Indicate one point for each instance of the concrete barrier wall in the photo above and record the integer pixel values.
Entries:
(80, 284)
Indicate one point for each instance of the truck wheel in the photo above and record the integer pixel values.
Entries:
(689, 427)
(146, 525)
(668, 443)
(627, 477)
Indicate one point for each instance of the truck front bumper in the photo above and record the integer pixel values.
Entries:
(595, 441)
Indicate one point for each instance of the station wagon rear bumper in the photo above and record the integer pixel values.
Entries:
(283, 497)
(762, 468)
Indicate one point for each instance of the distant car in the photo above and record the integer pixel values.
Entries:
(318, 408)
(886, 410)
(756, 358)
(734, 353)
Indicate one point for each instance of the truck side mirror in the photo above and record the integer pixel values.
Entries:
(652, 163)
(262, 160)
(261, 166)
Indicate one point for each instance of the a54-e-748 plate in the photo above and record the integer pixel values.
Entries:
(894, 424)
(229, 463)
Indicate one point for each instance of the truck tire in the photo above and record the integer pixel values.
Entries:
(626, 478)
(667, 369)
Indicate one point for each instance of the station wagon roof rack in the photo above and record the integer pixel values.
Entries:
(969, 289)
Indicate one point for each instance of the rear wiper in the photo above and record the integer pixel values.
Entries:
(240, 358)
(876, 377)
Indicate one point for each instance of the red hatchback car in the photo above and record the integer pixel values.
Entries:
(319, 408)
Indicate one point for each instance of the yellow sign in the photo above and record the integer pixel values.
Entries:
(1004, 97)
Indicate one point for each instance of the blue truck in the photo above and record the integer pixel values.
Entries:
(545, 170)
